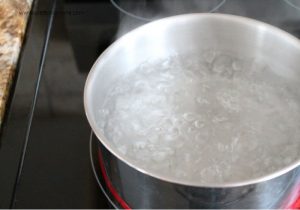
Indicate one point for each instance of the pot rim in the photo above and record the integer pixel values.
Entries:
(111, 148)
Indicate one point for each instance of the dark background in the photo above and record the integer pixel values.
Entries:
(44, 152)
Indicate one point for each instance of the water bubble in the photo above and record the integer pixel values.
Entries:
(174, 131)
(219, 119)
(209, 56)
(140, 144)
(191, 129)
(199, 124)
(222, 64)
(201, 100)
(189, 117)
(237, 65)
(169, 137)
(159, 156)
(153, 137)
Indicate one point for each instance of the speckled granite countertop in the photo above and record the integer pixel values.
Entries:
(13, 20)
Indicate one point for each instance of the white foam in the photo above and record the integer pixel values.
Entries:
(212, 120)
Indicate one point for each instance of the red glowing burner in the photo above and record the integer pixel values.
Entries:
(124, 205)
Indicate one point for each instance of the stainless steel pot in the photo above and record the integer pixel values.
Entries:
(185, 33)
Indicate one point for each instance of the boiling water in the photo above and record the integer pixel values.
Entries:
(208, 119)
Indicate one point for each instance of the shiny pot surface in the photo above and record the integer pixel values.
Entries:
(183, 34)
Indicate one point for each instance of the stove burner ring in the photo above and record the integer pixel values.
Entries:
(113, 2)
(289, 2)
(114, 194)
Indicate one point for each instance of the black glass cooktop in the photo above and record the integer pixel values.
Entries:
(44, 144)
